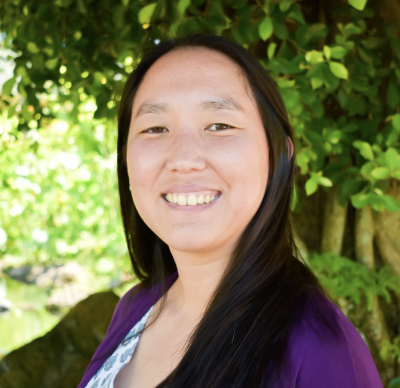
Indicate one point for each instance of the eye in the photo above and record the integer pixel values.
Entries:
(156, 130)
(219, 127)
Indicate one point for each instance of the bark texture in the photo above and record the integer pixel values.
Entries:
(387, 232)
(371, 322)
(334, 222)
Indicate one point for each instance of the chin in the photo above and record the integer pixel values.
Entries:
(193, 243)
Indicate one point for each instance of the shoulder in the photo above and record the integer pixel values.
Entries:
(129, 307)
(330, 353)
(137, 301)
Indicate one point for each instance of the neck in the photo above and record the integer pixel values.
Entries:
(199, 276)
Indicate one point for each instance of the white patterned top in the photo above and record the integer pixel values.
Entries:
(104, 377)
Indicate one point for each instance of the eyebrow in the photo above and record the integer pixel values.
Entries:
(213, 105)
(152, 107)
(222, 103)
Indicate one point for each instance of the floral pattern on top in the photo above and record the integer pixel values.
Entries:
(105, 376)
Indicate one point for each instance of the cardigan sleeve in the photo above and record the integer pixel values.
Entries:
(318, 360)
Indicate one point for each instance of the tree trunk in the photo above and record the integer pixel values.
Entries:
(387, 232)
(333, 224)
(373, 324)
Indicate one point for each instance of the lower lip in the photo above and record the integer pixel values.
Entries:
(189, 208)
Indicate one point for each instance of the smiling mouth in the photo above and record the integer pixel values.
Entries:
(192, 199)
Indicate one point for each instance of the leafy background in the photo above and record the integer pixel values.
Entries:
(64, 63)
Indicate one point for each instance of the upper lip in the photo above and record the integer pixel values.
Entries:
(187, 188)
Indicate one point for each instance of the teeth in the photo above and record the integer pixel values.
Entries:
(192, 200)
(182, 200)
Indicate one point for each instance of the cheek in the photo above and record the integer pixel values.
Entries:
(143, 163)
(245, 165)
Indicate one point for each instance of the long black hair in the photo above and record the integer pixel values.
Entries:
(242, 338)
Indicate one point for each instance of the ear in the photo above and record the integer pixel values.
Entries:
(123, 151)
(290, 147)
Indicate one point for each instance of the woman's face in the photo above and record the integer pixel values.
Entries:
(197, 152)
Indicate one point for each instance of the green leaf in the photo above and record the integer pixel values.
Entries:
(380, 173)
(8, 86)
(313, 137)
(338, 70)
(271, 50)
(266, 28)
(316, 83)
(51, 64)
(394, 383)
(296, 15)
(314, 57)
(329, 79)
(393, 96)
(32, 48)
(350, 187)
(396, 122)
(311, 186)
(284, 5)
(323, 181)
(182, 5)
(49, 51)
(327, 52)
(351, 29)
(280, 30)
(366, 169)
(317, 32)
(365, 149)
(391, 158)
(390, 203)
(339, 52)
(377, 202)
(146, 13)
(358, 4)
(360, 200)
(334, 136)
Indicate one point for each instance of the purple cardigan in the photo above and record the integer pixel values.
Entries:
(314, 363)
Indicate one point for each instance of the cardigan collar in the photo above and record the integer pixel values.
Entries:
(127, 313)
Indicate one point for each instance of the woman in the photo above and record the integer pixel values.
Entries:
(205, 169)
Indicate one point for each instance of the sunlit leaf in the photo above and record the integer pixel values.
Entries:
(380, 173)
(358, 4)
(338, 70)
(396, 122)
(146, 13)
(311, 186)
(365, 149)
(266, 28)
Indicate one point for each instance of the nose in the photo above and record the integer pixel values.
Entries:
(186, 153)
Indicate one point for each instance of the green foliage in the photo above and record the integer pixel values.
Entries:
(349, 279)
(358, 4)
(340, 82)
(394, 383)
(58, 193)
(391, 350)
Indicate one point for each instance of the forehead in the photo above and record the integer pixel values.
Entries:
(188, 69)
